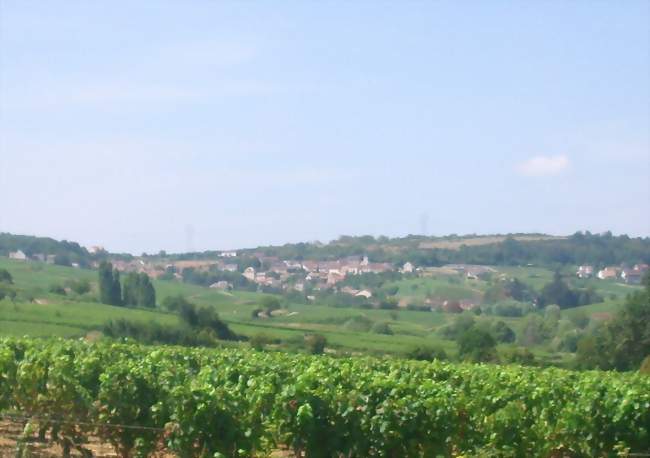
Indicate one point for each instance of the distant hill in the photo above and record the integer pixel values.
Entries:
(495, 249)
(63, 252)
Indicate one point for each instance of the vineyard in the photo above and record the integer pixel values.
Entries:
(237, 403)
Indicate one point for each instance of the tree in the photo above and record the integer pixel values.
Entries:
(535, 331)
(426, 353)
(270, 303)
(519, 355)
(558, 292)
(5, 277)
(382, 328)
(138, 291)
(624, 342)
(503, 333)
(477, 345)
(461, 324)
(110, 291)
(81, 286)
(129, 289)
(174, 303)
(147, 295)
(62, 260)
(315, 343)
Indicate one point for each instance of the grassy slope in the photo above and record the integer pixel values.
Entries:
(68, 317)
(64, 316)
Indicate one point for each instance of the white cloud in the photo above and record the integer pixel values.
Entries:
(543, 166)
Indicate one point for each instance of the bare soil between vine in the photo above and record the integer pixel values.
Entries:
(11, 433)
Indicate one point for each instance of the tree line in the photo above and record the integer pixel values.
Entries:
(136, 290)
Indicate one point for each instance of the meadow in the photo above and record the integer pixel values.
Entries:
(39, 312)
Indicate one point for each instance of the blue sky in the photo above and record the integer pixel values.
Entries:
(205, 125)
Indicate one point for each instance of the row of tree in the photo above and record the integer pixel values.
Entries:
(137, 290)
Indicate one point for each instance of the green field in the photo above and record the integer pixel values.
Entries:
(38, 312)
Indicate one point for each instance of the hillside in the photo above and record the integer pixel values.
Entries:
(39, 312)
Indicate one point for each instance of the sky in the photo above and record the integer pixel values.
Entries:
(196, 125)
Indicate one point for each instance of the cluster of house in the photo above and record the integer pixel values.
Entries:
(631, 276)
(274, 272)
(321, 274)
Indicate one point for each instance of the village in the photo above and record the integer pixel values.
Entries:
(628, 275)
(272, 274)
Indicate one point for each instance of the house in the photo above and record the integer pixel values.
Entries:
(309, 266)
(230, 267)
(608, 273)
(249, 274)
(349, 290)
(18, 255)
(228, 254)
(39, 257)
(50, 258)
(300, 287)
(364, 293)
(643, 268)
(408, 268)
(376, 267)
(631, 276)
(222, 285)
(333, 277)
(585, 271)
(467, 304)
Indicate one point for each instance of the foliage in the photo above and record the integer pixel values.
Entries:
(110, 291)
(623, 343)
(645, 366)
(57, 289)
(205, 319)
(315, 343)
(477, 345)
(458, 327)
(535, 330)
(518, 355)
(382, 328)
(503, 333)
(79, 286)
(197, 277)
(155, 333)
(270, 303)
(579, 248)
(174, 303)
(5, 277)
(558, 292)
(236, 403)
(138, 291)
(426, 353)
(508, 309)
(67, 252)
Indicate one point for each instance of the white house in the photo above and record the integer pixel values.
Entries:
(249, 273)
(18, 255)
(585, 271)
(364, 293)
(608, 273)
(222, 285)
(228, 254)
(408, 268)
